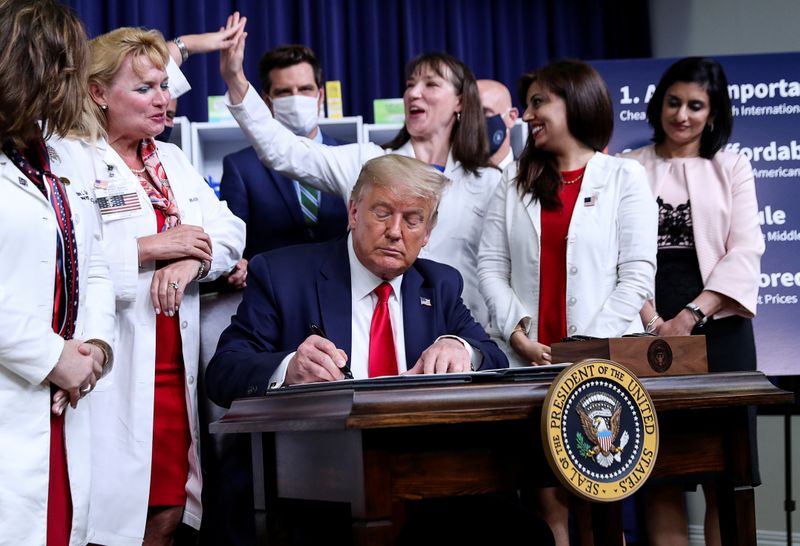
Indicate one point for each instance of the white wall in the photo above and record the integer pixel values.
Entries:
(683, 28)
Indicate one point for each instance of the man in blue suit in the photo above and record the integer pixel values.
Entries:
(279, 211)
(384, 311)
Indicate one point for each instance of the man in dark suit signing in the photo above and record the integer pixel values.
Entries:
(278, 212)
(384, 311)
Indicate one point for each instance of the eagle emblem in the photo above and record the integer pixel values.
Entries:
(600, 419)
(54, 157)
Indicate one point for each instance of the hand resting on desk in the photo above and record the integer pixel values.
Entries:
(446, 355)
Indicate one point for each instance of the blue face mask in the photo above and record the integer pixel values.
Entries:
(496, 130)
(163, 136)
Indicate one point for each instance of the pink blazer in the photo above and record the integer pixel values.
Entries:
(727, 234)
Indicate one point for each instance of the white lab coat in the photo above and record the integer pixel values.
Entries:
(335, 169)
(122, 416)
(29, 350)
(611, 253)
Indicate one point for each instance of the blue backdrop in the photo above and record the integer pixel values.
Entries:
(765, 95)
(365, 43)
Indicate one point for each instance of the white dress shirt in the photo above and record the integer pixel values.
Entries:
(362, 285)
(507, 160)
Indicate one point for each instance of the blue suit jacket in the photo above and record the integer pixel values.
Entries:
(290, 288)
(268, 204)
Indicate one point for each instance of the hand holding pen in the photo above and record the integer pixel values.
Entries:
(317, 359)
(345, 367)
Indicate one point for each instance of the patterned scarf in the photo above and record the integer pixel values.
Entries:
(157, 187)
(35, 164)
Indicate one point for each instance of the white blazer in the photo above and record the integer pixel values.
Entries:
(611, 253)
(334, 169)
(29, 349)
(123, 407)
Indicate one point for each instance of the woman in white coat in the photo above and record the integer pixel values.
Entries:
(566, 246)
(164, 230)
(445, 127)
(56, 297)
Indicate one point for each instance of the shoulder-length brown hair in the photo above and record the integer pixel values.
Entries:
(590, 120)
(42, 67)
(707, 73)
(468, 140)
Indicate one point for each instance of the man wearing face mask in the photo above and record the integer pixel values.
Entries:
(279, 211)
(500, 118)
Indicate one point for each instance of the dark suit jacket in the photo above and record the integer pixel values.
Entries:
(287, 289)
(268, 204)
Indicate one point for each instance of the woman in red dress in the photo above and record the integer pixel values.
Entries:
(565, 248)
(164, 231)
(56, 297)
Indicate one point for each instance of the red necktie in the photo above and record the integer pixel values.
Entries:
(382, 356)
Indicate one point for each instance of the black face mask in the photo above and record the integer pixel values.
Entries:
(496, 130)
(163, 136)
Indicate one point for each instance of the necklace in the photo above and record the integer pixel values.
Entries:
(138, 171)
(576, 179)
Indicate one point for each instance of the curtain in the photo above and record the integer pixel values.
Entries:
(366, 43)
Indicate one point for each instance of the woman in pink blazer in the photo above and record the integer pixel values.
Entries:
(709, 239)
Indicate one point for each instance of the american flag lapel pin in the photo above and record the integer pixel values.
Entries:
(425, 301)
(22, 181)
(590, 201)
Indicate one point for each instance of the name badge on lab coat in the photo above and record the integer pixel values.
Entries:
(117, 198)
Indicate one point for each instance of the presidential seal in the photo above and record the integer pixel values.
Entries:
(599, 430)
(659, 356)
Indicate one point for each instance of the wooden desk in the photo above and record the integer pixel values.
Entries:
(370, 447)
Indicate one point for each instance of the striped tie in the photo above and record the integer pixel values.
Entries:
(309, 204)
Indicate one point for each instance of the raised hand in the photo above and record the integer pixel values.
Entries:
(231, 64)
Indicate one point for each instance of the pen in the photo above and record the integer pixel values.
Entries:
(317, 331)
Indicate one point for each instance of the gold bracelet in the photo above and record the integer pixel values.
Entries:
(650, 323)
(108, 354)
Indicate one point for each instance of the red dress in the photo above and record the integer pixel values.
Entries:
(171, 437)
(553, 262)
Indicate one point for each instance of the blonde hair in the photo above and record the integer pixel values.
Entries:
(405, 176)
(107, 54)
(42, 67)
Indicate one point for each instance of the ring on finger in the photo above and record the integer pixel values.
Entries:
(174, 284)
(86, 389)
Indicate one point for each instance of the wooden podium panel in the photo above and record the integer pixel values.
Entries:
(646, 356)
(375, 446)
